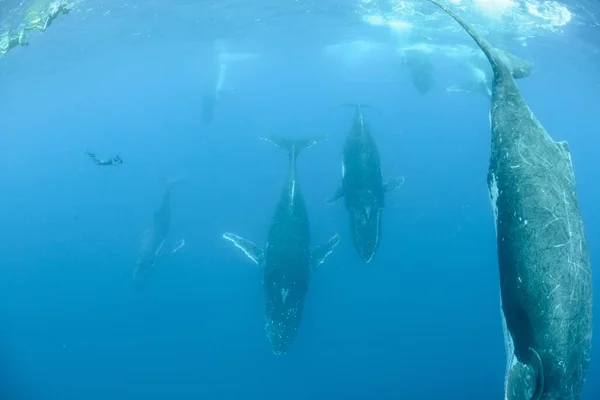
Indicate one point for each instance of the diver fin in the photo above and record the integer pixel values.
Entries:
(526, 381)
(321, 252)
(339, 193)
(252, 250)
(293, 147)
(393, 184)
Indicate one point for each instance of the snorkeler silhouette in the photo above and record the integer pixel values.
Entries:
(9, 41)
(52, 12)
(111, 161)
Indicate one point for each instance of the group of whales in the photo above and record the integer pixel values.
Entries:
(544, 266)
(286, 259)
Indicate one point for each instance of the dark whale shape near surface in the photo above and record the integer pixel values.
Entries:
(421, 70)
(287, 261)
(545, 273)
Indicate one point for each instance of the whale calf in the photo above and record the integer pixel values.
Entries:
(154, 240)
(363, 187)
(286, 260)
(545, 273)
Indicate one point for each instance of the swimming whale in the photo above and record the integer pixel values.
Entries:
(286, 260)
(421, 70)
(215, 79)
(545, 273)
(362, 187)
(154, 240)
(218, 63)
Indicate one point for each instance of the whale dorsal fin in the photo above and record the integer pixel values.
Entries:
(251, 249)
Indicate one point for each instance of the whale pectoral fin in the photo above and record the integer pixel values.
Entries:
(163, 251)
(393, 184)
(251, 249)
(320, 253)
(339, 193)
(178, 245)
(526, 381)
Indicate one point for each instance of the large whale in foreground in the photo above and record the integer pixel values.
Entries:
(545, 274)
(287, 261)
(363, 187)
(154, 241)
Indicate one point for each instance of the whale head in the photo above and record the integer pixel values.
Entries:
(283, 315)
(365, 228)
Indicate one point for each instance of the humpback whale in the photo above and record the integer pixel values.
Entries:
(544, 266)
(421, 70)
(362, 187)
(286, 260)
(216, 79)
(214, 86)
(154, 240)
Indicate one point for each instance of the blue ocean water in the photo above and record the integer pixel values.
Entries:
(421, 321)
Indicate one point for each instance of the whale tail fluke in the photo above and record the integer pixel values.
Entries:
(293, 147)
